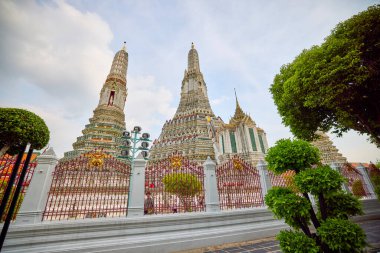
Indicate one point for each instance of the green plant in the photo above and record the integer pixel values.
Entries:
(334, 85)
(296, 242)
(290, 154)
(342, 235)
(19, 127)
(18, 203)
(320, 181)
(183, 185)
(358, 189)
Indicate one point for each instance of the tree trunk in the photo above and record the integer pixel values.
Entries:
(322, 206)
(4, 149)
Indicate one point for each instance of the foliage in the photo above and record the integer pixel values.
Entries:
(374, 175)
(334, 85)
(19, 127)
(358, 189)
(319, 180)
(182, 184)
(18, 203)
(284, 203)
(342, 205)
(296, 242)
(294, 155)
(342, 235)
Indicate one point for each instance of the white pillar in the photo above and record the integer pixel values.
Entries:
(336, 167)
(35, 199)
(211, 186)
(137, 188)
(367, 180)
(264, 177)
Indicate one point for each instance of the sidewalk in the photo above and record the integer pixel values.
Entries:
(371, 227)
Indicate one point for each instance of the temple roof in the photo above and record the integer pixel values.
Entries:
(239, 117)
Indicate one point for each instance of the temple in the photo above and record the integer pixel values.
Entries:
(197, 133)
(241, 136)
(108, 121)
(329, 153)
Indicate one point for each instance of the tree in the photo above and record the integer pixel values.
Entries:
(183, 185)
(19, 127)
(334, 85)
(334, 206)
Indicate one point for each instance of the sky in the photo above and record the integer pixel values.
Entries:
(55, 56)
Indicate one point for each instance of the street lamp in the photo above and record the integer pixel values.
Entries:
(129, 149)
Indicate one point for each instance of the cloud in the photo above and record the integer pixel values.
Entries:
(53, 61)
(219, 100)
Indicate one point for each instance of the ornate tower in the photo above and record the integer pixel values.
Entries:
(329, 153)
(108, 121)
(187, 132)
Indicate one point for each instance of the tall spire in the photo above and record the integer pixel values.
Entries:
(108, 121)
(193, 60)
(239, 114)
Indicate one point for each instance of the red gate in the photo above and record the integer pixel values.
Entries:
(6, 167)
(174, 185)
(238, 184)
(91, 186)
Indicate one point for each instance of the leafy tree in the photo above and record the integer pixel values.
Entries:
(374, 174)
(323, 183)
(19, 127)
(184, 185)
(334, 85)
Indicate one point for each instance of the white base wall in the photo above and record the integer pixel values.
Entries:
(155, 233)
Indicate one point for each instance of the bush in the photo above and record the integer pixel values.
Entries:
(296, 242)
(342, 235)
(319, 180)
(19, 127)
(358, 189)
(342, 205)
(294, 155)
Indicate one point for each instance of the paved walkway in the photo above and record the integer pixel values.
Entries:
(371, 227)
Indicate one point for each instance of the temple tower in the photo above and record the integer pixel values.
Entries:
(187, 132)
(108, 121)
(329, 153)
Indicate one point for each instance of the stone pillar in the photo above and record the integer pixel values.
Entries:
(367, 180)
(211, 186)
(137, 188)
(264, 177)
(336, 167)
(35, 199)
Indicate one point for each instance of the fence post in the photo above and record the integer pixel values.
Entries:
(35, 199)
(264, 177)
(136, 193)
(367, 180)
(337, 167)
(211, 186)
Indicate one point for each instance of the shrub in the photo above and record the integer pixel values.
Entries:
(342, 205)
(296, 242)
(358, 189)
(342, 235)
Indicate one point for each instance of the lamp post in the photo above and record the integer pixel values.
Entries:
(129, 149)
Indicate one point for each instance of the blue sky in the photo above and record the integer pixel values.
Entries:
(57, 54)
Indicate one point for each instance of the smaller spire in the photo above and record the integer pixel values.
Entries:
(124, 46)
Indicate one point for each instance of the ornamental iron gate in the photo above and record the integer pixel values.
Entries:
(93, 185)
(174, 185)
(6, 167)
(238, 185)
(355, 181)
(283, 180)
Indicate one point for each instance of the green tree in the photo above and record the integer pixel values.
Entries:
(19, 127)
(325, 185)
(184, 185)
(334, 85)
